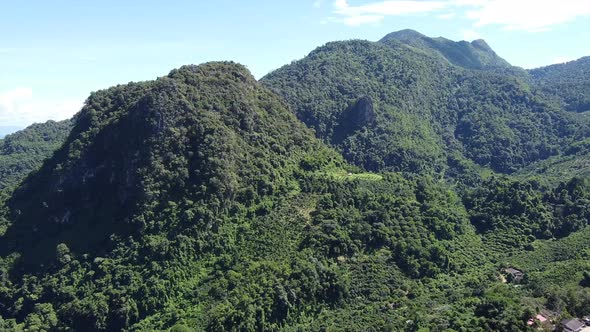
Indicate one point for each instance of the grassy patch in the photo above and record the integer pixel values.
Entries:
(342, 175)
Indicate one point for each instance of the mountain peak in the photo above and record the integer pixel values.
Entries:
(482, 45)
(150, 143)
(223, 70)
(475, 55)
(403, 35)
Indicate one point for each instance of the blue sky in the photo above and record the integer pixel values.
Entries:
(54, 53)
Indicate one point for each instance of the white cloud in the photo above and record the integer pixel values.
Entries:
(377, 11)
(528, 15)
(362, 19)
(460, 3)
(317, 3)
(11, 97)
(388, 7)
(524, 15)
(18, 107)
(447, 16)
(470, 34)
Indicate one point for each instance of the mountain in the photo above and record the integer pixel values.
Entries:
(156, 178)
(145, 144)
(569, 82)
(420, 107)
(195, 192)
(383, 186)
(25, 150)
(472, 55)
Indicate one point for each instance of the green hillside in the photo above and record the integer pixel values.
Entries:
(193, 193)
(472, 55)
(409, 103)
(370, 186)
(574, 162)
(25, 150)
(569, 82)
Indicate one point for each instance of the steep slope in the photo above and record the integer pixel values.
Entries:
(146, 163)
(199, 200)
(569, 82)
(423, 108)
(327, 89)
(25, 150)
(187, 136)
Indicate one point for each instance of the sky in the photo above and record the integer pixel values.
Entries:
(54, 53)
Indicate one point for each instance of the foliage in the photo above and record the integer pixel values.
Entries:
(522, 211)
(567, 81)
(573, 162)
(199, 201)
(474, 55)
(409, 102)
(25, 150)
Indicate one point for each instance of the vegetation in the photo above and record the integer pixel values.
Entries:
(25, 150)
(573, 162)
(409, 103)
(521, 211)
(199, 201)
(474, 55)
(567, 81)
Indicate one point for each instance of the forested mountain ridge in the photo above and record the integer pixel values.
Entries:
(25, 150)
(197, 191)
(153, 168)
(473, 55)
(570, 82)
(198, 201)
(426, 106)
(171, 145)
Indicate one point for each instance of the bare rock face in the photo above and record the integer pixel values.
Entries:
(363, 112)
(360, 114)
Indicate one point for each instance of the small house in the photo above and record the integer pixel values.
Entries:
(514, 274)
(540, 318)
(572, 325)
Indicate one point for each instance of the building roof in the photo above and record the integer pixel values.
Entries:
(542, 319)
(573, 324)
(513, 271)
